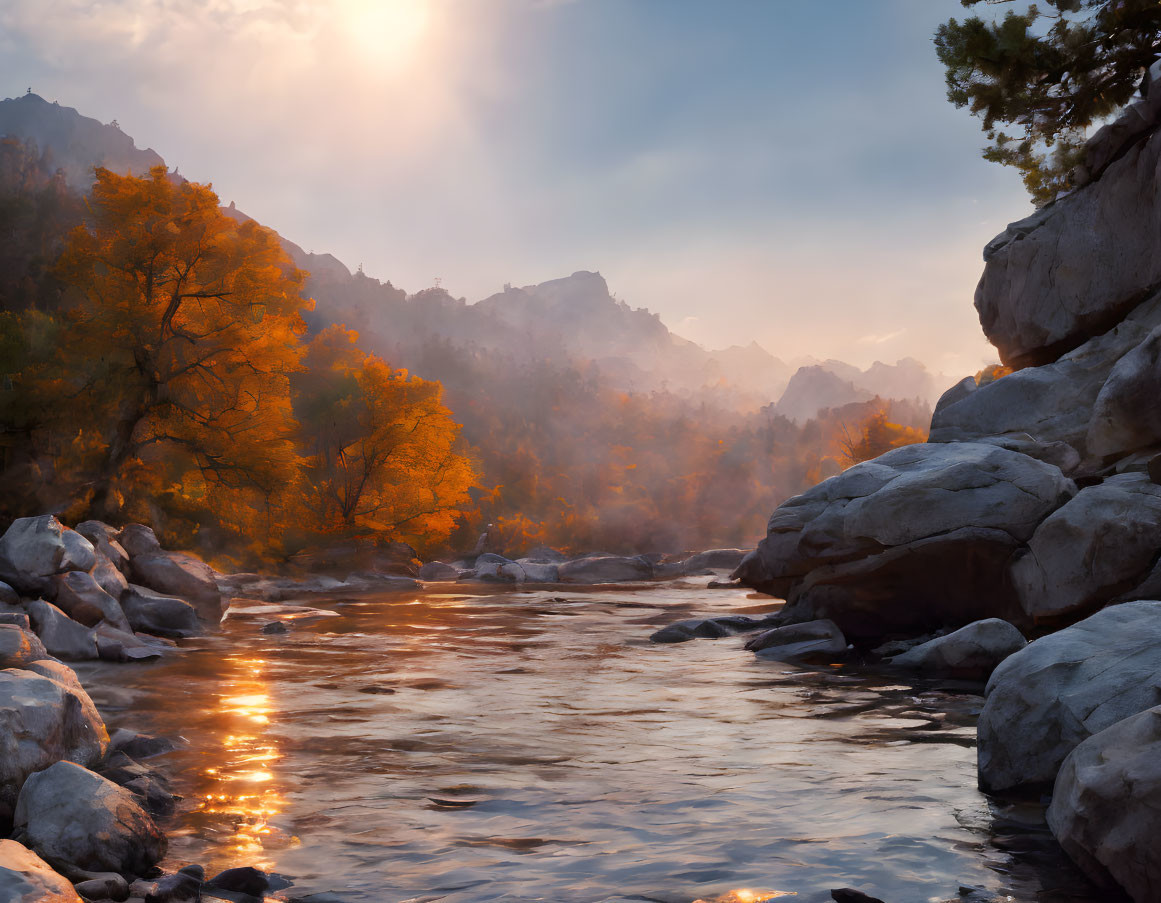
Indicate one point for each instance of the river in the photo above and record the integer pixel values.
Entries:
(499, 745)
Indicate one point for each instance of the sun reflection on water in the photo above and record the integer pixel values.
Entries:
(748, 895)
(243, 794)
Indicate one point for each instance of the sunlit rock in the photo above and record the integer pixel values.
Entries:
(19, 648)
(45, 716)
(26, 878)
(917, 539)
(181, 575)
(33, 549)
(78, 820)
(1106, 806)
(1101, 544)
(972, 652)
(811, 638)
(1061, 689)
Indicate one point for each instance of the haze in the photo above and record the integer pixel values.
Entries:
(751, 171)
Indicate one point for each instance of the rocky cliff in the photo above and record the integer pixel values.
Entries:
(1036, 500)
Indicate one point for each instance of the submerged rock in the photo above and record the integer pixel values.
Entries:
(1106, 806)
(26, 878)
(972, 652)
(79, 821)
(812, 638)
(605, 569)
(1058, 691)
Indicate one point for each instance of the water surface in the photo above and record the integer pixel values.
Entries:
(472, 745)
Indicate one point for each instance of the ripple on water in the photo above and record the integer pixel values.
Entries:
(524, 746)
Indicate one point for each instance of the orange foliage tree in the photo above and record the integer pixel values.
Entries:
(175, 361)
(382, 452)
(876, 435)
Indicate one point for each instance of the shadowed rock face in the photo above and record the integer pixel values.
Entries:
(919, 538)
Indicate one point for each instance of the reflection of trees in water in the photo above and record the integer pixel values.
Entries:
(241, 793)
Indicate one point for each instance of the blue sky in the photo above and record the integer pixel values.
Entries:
(789, 172)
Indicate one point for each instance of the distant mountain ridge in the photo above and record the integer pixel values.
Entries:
(574, 318)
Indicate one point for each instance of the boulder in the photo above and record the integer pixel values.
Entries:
(26, 878)
(545, 554)
(79, 821)
(539, 571)
(1106, 806)
(19, 648)
(182, 575)
(109, 577)
(1075, 267)
(811, 638)
(438, 571)
(61, 635)
(958, 392)
(160, 615)
(8, 596)
(106, 886)
(972, 652)
(496, 569)
(1101, 544)
(1125, 415)
(78, 595)
(138, 539)
(709, 628)
(104, 540)
(115, 645)
(32, 549)
(1058, 691)
(714, 559)
(606, 569)
(916, 539)
(45, 716)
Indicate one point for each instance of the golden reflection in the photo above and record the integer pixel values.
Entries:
(747, 895)
(243, 794)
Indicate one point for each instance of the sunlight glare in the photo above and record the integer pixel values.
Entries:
(387, 32)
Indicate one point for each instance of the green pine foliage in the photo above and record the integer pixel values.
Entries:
(1038, 78)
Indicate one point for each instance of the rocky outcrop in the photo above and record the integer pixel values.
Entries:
(1106, 805)
(971, 653)
(34, 549)
(919, 538)
(26, 878)
(78, 821)
(1102, 544)
(61, 635)
(1061, 689)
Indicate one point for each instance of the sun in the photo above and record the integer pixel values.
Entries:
(388, 33)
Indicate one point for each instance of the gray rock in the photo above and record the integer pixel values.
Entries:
(107, 886)
(709, 628)
(138, 539)
(78, 595)
(115, 645)
(1063, 688)
(26, 878)
(811, 638)
(916, 539)
(19, 648)
(61, 635)
(104, 540)
(182, 575)
(79, 821)
(373, 581)
(608, 569)
(438, 571)
(109, 577)
(495, 569)
(1126, 415)
(1074, 268)
(714, 559)
(45, 716)
(179, 887)
(539, 571)
(32, 549)
(1101, 544)
(158, 614)
(545, 554)
(972, 652)
(8, 596)
(958, 392)
(1106, 806)
(139, 746)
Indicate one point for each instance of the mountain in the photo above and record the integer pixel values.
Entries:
(831, 384)
(74, 142)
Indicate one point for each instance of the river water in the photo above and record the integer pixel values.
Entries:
(475, 745)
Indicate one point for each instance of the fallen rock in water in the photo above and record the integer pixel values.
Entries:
(79, 821)
(78, 595)
(1058, 691)
(917, 539)
(19, 648)
(158, 614)
(1106, 805)
(438, 571)
(45, 716)
(107, 886)
(811, 638)
(713, 559)
(181, 575)
(1102, 543)
(115, 645)
(275, 627)
(33, 549)
(605, 569)
(180, 887)
(539, 571)
(492, 568)
(61, 635)
(247, 880)
(139, 746)
(972, 652)
(709, 628)
(850, 895)
(26, 878)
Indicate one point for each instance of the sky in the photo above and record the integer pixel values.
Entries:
(783, 172)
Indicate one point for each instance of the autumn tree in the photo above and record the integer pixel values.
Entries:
(383, 456)
(184, 329)
(877, 435)
(1039, 77)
